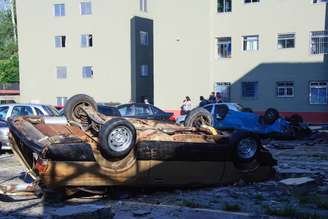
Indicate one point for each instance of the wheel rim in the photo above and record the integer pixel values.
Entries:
(247, 148)
(120, 139)
(201, 120)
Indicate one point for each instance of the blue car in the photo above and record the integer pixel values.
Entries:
(229, 117)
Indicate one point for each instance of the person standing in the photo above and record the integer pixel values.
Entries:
(186, 106)
(203, 101)
(212, 98)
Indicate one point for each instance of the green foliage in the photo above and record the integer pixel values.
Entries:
(9, 70)
(8, 50)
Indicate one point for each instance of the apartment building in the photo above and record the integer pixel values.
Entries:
(260, 53)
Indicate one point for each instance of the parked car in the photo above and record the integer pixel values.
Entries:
(271, 124)
(232, 106)
(117, 151)
(103, 109)
(144, 111)
(9, 110)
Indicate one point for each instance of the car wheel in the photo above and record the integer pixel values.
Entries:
(270, 116)
(198, 117)
(74, 112)
(117, 137)
(245, 149)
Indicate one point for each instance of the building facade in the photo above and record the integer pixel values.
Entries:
(260, 53)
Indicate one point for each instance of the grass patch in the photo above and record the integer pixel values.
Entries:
(231, 207)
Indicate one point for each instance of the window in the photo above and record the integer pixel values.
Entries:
(87, 72)
(59, 10)
(60, 41)
(319, 42)
(86, 40)
(3, 112)
(318, 92)
(319, 1)
(286, 41)
(86, 8)
(251, 43)
(61, 72)
(144, 41)
(144, 70)
(61, 101)
(224, 6)
(251, 1)
(38, 111)
(249, 89)
(127, 110)
(143, 5)
(22, 111)
(285, 89)
(224, 47)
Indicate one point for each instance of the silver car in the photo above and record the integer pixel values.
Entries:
(8, 110)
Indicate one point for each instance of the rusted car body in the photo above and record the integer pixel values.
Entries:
(162, 154)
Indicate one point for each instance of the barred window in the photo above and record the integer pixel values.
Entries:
(86, 40)
(319, 42)
(285, 89)
(318, 92)
(59, 10)
(224, 47)
(60, 41)
(286, 41)
(250, 89)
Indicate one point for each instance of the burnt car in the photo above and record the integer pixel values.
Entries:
(94, 150)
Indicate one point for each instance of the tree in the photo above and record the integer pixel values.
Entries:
(8, 48)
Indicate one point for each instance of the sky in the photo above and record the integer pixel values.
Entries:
(2, 5)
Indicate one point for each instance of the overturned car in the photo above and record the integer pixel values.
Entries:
(93, 150)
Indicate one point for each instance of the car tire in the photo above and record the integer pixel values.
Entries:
(198, 117)
(117, 137)
(73, 113)
(245, 150)
(247, 110)
(270, 116)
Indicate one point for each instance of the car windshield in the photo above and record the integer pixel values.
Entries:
(51, 111)
(3, 112)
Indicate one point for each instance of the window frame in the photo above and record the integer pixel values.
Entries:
(256, 92)
(88, 39)
(62, 41)
(62, 11)
(84, 73)
(58, 68)
(143, 6)
(89, 11)
(143, 67)
(285, 87)
(244, 39)
(224, 7)
(285, 39)
(218, 44)
(252, 2)
(311, 48)
(318, 86)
